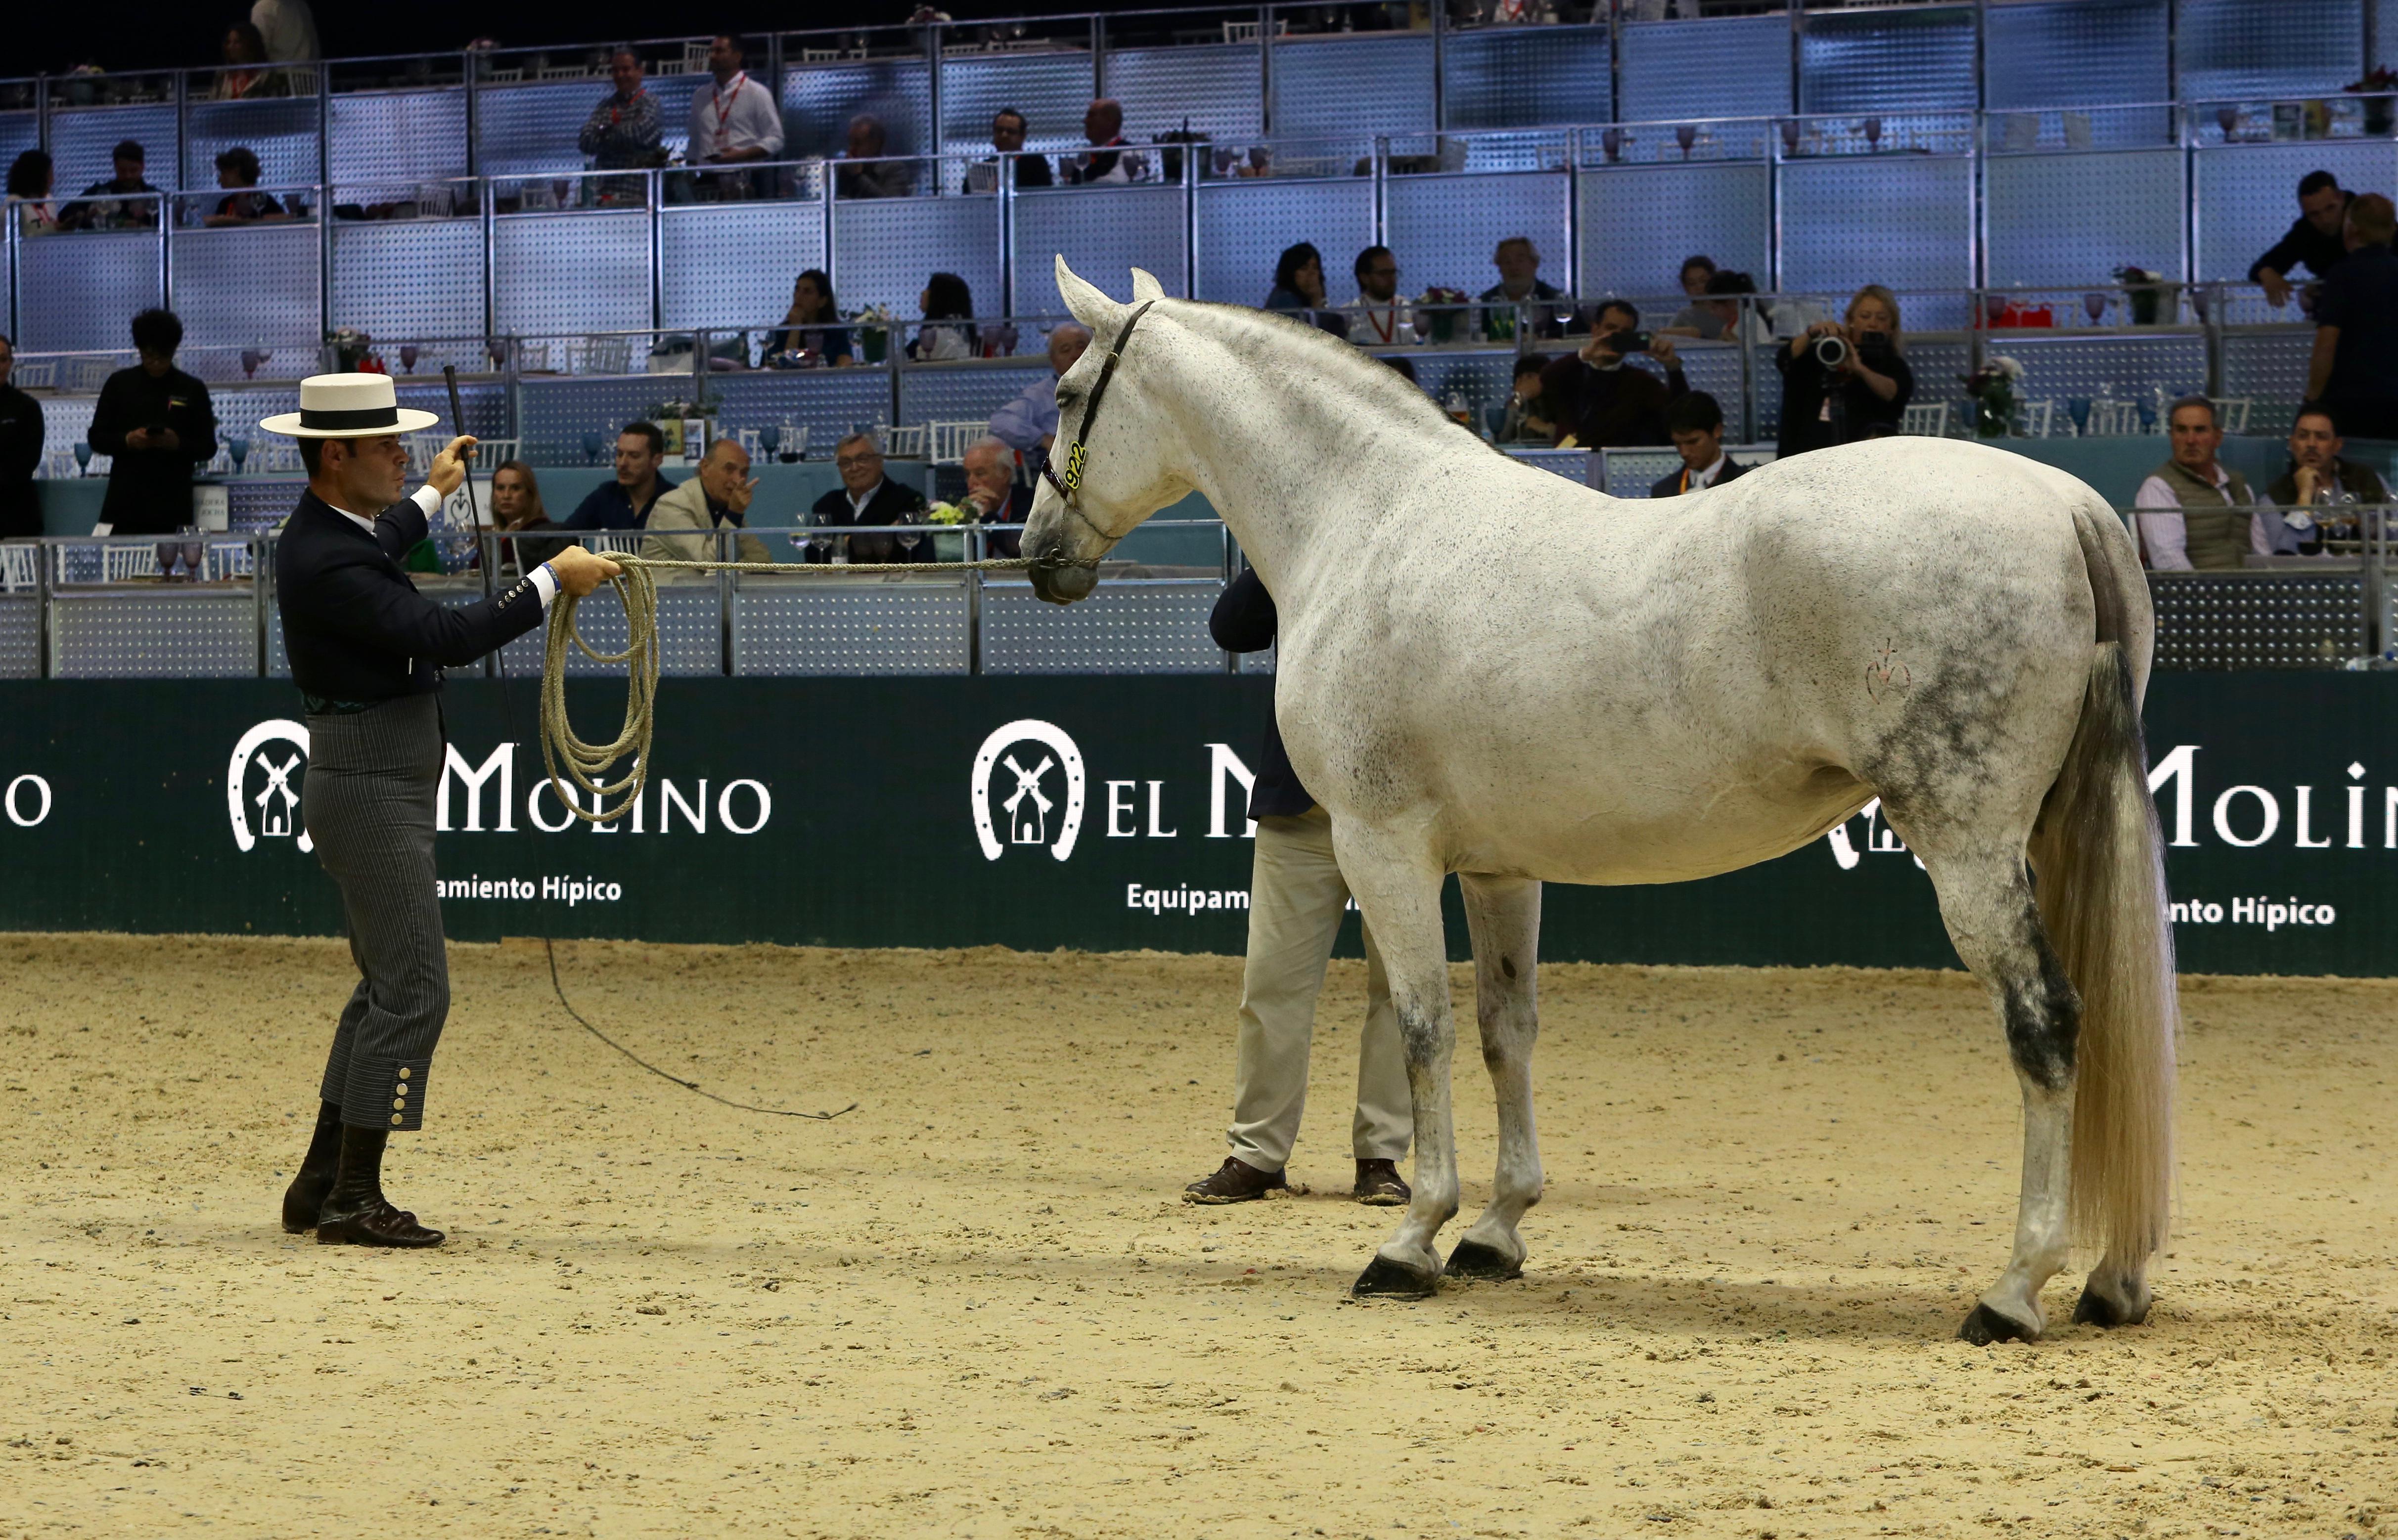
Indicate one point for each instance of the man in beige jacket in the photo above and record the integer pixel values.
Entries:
(683, 522)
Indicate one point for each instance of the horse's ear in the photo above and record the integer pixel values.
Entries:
(1146, 286)
(1088, 305)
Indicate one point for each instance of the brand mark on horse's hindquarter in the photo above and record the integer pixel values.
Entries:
(1886, 673)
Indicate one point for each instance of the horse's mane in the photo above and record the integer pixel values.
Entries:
(1255, 331)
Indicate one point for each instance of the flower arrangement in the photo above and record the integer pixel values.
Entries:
(354, 353)
(873, 324)
(2146, 289)
(1442, 310)
(2377, 87)
(1992, 388)
(949, 512)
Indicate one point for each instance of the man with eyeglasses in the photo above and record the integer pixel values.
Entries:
(1375, 317)
(867, 498)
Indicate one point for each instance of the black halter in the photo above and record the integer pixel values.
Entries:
(1070, 485)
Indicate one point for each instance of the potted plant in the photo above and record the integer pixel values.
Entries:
(872, 329)
(2376, 89)
(2147, 290)
(1992, 389)
(1442, 310)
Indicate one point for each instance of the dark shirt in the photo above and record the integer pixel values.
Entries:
(1289, 302)
(2303, 246)
(2358, 481)
(1607, 408)
(1671, 486)
(248, 203)
(149, 490)
(892, 503)
(609, 506)
(1857, 413)
(1244, 621)
(826, 341)
(111, 204)
(1543, 316)
(20, 455)
(875, 179)
(1031, 171)
(356, 629)
(2361, 298)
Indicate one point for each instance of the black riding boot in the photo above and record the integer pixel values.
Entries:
(355, 1211)
(305, 1197)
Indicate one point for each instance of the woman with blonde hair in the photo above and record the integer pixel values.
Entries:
(517, 506)
(1843, 381)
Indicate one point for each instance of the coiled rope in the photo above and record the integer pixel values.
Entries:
(636, 589)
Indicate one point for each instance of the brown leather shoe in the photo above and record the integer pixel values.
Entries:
(1235, 1182)
(304, 1199)
(381, 1226)
(1379, 1185)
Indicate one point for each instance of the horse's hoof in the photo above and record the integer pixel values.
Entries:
(1386, 1280)
(2096, 1310)
(1473, 1259)
(1986, 1326)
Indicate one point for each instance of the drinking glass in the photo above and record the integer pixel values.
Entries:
(591, 445)
(2094, 304)
(168, 552)
(1995, 307)
(408, 355)
(793, 442)
(1789, 136)
(1873, 133)
(195, 551)
(238, 447)
(770, 438)
(1611, 140)
(83, 458)
(250, 362)
(2077, 408)
(1685, 136)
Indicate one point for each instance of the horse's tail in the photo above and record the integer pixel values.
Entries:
(2099, 855)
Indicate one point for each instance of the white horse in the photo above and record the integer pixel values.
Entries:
(1487, 670)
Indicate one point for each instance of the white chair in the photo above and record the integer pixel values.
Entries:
(694, 56)
(37, 374)
(85, 376)
(532, 357)
(2231, 411)
(948, 440)
(1925, 420)
(510, 76)
(537, 197)
(607, 355)
(2039, 418)
(616, 545)
(124, 563)
(906, 443)
(492, 453)
(223, 561)
(2113, 419)
(564, 72)
(19, 566)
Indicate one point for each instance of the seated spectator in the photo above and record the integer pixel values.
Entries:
(994, 496)
(946, 300)
(2355, 370)
(1598, 399)
(623, 132)
(116, 203)
(624, 503)
(1863, 396)
(1008, 128)
(867, 498)
(2315, 240)
(243, 204)
(1298, 290)
(718, 495)
(156, 423)
(1376, 316)
(809, 324)
(21, 453)
(2318, 473)
(28, 193)
(517, 509)
(245, 76)
(1027, 424)
(1518, 262)
(1696, 425)
(2195, 514)
(1527, 419)
(1696, 271)
(872, 178)
(1717, 316)
(733, 119)
(1109, 159)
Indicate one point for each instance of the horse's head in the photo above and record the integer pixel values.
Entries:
(1109, 467)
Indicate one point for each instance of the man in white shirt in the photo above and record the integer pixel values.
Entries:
(1375, 317)
(2198, 516)
(733, 119)
(1029, 423)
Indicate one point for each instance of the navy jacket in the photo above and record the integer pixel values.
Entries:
(609, 506)
(357, 630)
(1244, 621)
(1671, 486)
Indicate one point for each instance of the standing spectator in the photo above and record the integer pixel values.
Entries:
(118, 203)
(865, 498)
(1863, 396)
(871, 177)
(245, 76)
(1518, 262)
(2197, 515)
(809, 324)
(718, 495)
(1375, 317)
(2354, 370)
(517, 509)
(1696, 271)
(623, 132)
(624, 503)
(2315, 240)
(1598, 399)
(732, 117)
(28, 193)
(1110, 158)
(1527, 419)
(1696, 425)
(946, 300)
(1008, 128)
(21, 453)
(156, 423)
(994, 496)
(237, 172)
(2318, 473)
(1029, 423)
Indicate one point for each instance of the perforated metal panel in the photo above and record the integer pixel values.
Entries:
(2256, 620)
(1890, 60)
(2072, 52)
(884, 249)
(78, 291)
(1341, 85)
(691, 635)
(1444, 228)
(733, 264)
(826, 402)
(1907, 222)
(819, 100)
(558, 412)
(2270, 368)
(1639, 222)
(83, 138)
(1050, 89)
(2134, 364)
(1221, 88)
(1104, 232)
(257, 503)
(1127, 626)
(20, 129)
(235, 286)
(530, 129)
(1727, 67)
(398, 138)
(1510, 78)
(2285, 48)
(409, 278)
(826, 625)
(554, 273)
(2248, 194)
(282, 134)
(1243, 227)
(20, 635)
(2125, 206)
(161, 635)
(959, 392)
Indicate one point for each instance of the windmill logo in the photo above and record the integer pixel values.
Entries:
(1031, 751)
(275, 750)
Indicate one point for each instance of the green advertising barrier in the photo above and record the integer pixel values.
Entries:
(1098, 814)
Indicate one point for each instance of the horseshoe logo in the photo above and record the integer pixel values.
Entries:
(1887, 674)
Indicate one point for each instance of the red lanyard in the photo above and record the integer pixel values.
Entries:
(616, 113)
(724, 101)
(1385, 325)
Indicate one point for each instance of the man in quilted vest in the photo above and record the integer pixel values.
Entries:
(2195, 514)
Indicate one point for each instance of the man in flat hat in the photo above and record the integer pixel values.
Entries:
(367, 651)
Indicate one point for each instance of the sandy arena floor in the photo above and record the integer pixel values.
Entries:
(974, 1307)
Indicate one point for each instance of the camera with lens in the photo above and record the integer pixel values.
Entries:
(1872, 349)
(1625, 342)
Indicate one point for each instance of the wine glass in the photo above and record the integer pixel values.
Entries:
(83, 457)
(238, 447)
(1873, 133)
(168, 552)
(195, 551)
(408, 353)
(1686, 135)
(2078, 407)
(793, 440)
(2198, 299)
(1789, 136)
(591, 446)
(2226, 118)
(1611, 140)
(1995, 307)
(770, 438)
(250, 362)
(2094, 304)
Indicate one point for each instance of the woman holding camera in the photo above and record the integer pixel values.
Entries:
(1844, 381)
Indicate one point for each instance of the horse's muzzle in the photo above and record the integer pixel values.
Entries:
(1063, 584)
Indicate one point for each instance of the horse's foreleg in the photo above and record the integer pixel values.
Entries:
(1504, 916)
(1397, 888)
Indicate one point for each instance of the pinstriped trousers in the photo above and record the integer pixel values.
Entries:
(368, 801)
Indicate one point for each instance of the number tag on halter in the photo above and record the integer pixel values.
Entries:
(1074, 458)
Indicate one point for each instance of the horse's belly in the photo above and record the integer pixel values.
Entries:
(1676, 840)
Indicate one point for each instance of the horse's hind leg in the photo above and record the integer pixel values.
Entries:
(1504, 915)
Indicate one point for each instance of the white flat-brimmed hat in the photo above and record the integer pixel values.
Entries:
(348, 406)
